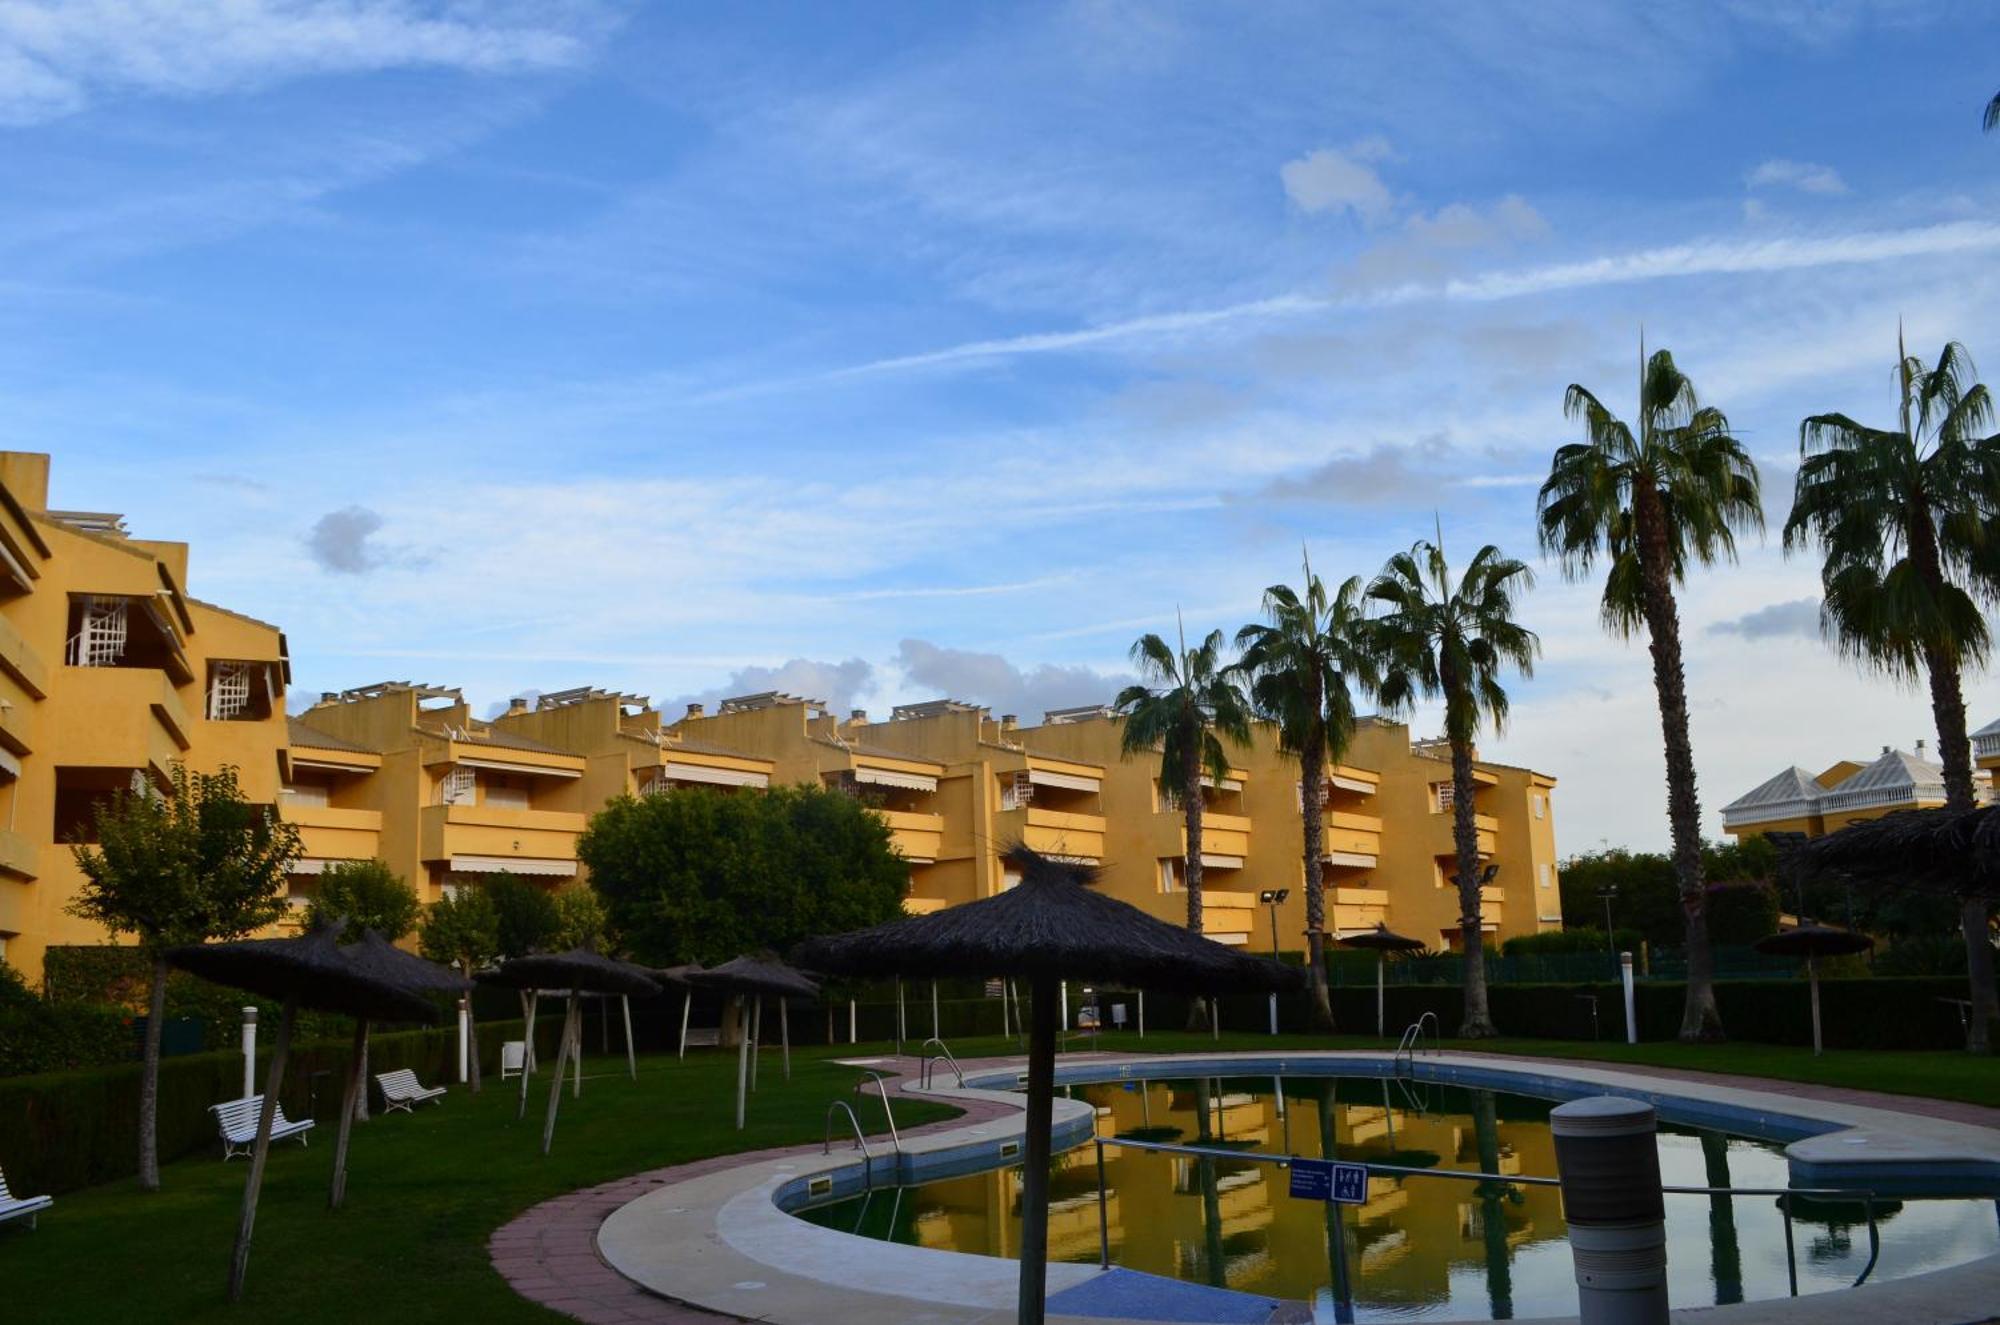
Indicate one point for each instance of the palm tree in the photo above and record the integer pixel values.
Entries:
(1440, 638)
(1191, 704)
(1905, 519)
(1301, 669)
(1993, 114)
(1650, 506)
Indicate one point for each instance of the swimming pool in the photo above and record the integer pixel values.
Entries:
(1418, 1247)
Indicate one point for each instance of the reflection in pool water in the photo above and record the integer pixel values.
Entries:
(1418, 1247)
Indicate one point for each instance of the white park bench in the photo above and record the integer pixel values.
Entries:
(237, 1120)
(401, 1090)
(12, 1207)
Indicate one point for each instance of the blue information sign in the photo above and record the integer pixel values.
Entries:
(1325, 1180)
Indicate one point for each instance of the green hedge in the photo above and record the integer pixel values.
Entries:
(66, 1130)
(39, 1037)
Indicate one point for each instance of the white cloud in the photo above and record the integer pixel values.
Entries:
(1429, 244)
(1805, 176)
(1796, 617)
(1331, 180)
(55, 58)
(988, 678)
(835, 684)
(339, 540)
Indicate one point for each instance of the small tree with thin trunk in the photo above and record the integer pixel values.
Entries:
(1304, 668)
(193, 863)
(363, 895)
(1191, 704)
(581, 921)
(462, 930)
(1445, 638)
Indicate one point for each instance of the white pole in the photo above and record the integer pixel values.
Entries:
(687, 1006)
(1274, 1014)
(576, 1052)
(785, 1035)
(853, 1026)
(1631, 1008)
(1003, 1009)
(1065, 1007)
(1142, 1014)
(902, 1022)
(756, 1037)
(1380, 1021)
(529, 1062)
(935, 1033)
(1812, 975)
(249, 1052)
(464, 1018)
(1215, 1019)
(742, 1059)
(631, 1054)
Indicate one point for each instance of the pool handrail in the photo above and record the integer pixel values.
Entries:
(888, 1111)
(1864, 1196)
(1412, 1041)
(860, 1142)
(944, 1052)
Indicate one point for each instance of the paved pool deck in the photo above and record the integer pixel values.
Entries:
(706, 1241)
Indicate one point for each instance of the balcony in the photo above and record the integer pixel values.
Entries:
(1228, 916)
(1351, 841)
(1485, 827)
(474, 837)
(1225, 840)
(98, 724)
(19, 857)
(335, 834)
(1357, 908)
(1053, 832)
(20, 661)
(917, 837)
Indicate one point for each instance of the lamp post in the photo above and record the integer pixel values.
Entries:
(1605, 895)
(1274, 898)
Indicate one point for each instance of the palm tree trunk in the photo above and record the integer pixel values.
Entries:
(1955, 753)
(149, 1080)
(1312, 777)
(1478, 1021)
(1191, 807)
(1700, 1019)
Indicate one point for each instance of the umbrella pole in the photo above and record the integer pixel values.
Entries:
(756, 1037)
(631, 1054)
(1042, 1013)
(563, 1048)
(274, 1078)
(900, 1017)
(1142, 1014)
(935, 1033)
(1215, 1019)
(1003, 1009)
(785, 1035)
(742, 1057)
(576, 1049)
(349, 1098)
(1380, 1020)
(687, 1006)
(603, 1024)
(1812, 978)
(531, 998)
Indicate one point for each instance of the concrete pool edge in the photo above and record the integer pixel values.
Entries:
(721, 1241)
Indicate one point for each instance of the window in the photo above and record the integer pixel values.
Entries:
(241, 692)
(457, 787)
(1542, 874)
(1437, 873)
(1541, 806)
(312, 794)
(1170, 875)
(505, 793)
(1441, 797)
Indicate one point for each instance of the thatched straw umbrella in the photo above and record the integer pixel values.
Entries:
(311, 971)
(1949, 852)
(580, 971)
(1384, 941)
(753, 978)
(1813, 942)
(376, 956)
(678, 975)
(1050, 927)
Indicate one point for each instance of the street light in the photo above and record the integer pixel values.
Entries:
(1274, 898)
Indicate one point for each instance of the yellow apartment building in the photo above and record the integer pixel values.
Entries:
(626, 749)
(450, 800)
(1798, 801)
(1387, 835)
(1986, 753)
(109, 673)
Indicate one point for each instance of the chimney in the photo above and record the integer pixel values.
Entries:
(518, 704)
(859, 717)
(1009, 721)
(1885, 749)
(1920, 747)
(694, 710)
(329, 696)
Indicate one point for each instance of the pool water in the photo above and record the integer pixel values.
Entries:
(1418, 1247)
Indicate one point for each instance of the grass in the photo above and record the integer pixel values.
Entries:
(425, 1191)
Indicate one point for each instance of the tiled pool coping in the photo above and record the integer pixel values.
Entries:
(720, 1241)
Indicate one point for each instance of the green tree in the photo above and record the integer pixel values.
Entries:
(1649, 505)
(581, 921)
(194, 863)
(1187, 702)
(1905, 518)
(525, 915)
(703, 874)
(462, 930)
(361, 895)
(1449, 639)
(366, 894)
(1303, 668)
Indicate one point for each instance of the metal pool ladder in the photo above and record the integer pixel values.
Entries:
(1412, 1042)
(882, 1088)
(860, 1142)
(944, 1052)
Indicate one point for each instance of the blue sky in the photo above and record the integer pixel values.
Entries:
(883, 351)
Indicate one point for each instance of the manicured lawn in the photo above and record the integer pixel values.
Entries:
(424, 1192)
(1941, 1075)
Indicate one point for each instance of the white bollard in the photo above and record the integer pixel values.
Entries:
(249, 1052)
(1631, 1008)
(1065, 1006)
(1274, 1014)
(1607, 1154)
(464, 1033)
